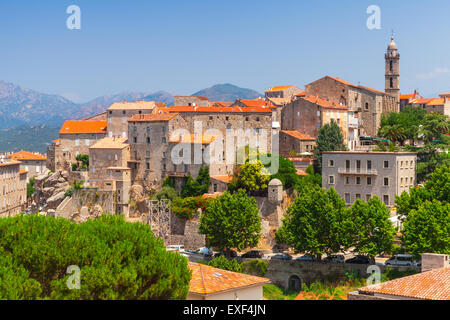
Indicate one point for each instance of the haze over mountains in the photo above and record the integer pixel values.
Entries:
(24, 110)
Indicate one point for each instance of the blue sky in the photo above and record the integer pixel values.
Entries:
(185, 46)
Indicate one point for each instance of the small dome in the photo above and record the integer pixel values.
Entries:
(392, 45)
(275, 183)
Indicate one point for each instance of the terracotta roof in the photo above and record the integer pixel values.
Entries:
(342, 81)
(9, 163)
(301, 94)
(220, 109)
(23, 171)
(208, 280)
(301, 172)
(421, 101)
(431, 285)
(221, 104)
(444, 94)
(190, 138)
(159, 117)
(137, 105)
(110, 143)
(80, 126)
(279, 88)
(324, 103)
(225, 179)
(436, 102)
(407, 96)
(279, 101)
(25, 155)
(253, 103)
(298, 135)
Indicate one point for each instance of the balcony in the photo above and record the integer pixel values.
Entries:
(360, 172)
(177, 174)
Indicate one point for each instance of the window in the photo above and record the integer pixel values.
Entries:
(347, 165)
(227, 118)
(386, 164)
(358, 180)
(148, 140)
(358, 165)
(347, 198)
(386, 199)
(210, 117)
(391, 65)
(391, 80)
(331, 163)
(386, 182)
(148, 129)
(148, 166)
(369, 165)
(367, 106)
(369, 181)
(147, 154)
(215, 187)
(163, 140)
(164, 129)
(77, 142)
(257, 118)
(124, 112)
(331, 180)
(347, 180)
(134, 140)
(134, 129)
(246, 118)
(358, 196)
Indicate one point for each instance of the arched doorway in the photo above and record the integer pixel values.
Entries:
(295, 283)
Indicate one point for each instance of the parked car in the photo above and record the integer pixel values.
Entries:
(175, 247)
(306, 257)
(335, 258)
(281, 256)
(207, 252)
(358, 260)
(402, 260)
(230, 254)
(253, 254)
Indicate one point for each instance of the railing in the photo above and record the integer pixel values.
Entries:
(358, 171)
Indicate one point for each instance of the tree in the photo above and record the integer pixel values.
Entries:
(372, 231)
(225, 264)
(329, 138)
(253, 176)
(198, 187)
(287, 173)
(427, 229)
(316, 223)
(231, 221)
(30, 188)
(434, 124)
(166, 193)
(395, 133)
(117, 260)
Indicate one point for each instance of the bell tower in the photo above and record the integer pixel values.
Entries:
(392, 74)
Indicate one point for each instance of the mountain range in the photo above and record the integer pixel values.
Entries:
(28, 111)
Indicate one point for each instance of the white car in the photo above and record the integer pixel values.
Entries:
(401, 260)
(205, 251)
(177, 247)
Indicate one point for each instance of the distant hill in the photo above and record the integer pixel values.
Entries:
(228, 92)
(160, 96)
(30, 138)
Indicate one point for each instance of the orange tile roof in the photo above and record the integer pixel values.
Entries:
(431, 285)
(234, 109)
(80, 126)
(25, 155)
(225, 179)
(301, 94)
(23, 171)
(221, 104)
(444, 94)
(253, 103)
(137, 105)
(279, 88)
(190, 138)
(298, 135)
(421, 101)
(208, 280)
(407, 96)
(159, 117)
(436, 102)
(324, 103)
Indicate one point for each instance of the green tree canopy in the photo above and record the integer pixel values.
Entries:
(427, 229)
(253, 176)
(316, 223)
(231, 221)
(117, 260)
(198, 187)
(372, 231)
(400, 126)
(329, 138)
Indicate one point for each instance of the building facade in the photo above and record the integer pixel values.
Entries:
(33, 163)
(13, 188)
(362, 175)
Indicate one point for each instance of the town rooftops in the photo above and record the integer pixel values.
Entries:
(253, 103)
(224, 179)
(137, 105)
(234, 109)
(83, 126)
(407, 96)
(110, 143)
(25, 155)
(221, 104)
(421, 101)
(9, 163)
(436, 102)
(298, 135)
(354, 86)
(325, 103)
(430, 285)
(279, 88)
(159, 117)
(209, 280)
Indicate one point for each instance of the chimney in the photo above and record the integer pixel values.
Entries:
(432, 261)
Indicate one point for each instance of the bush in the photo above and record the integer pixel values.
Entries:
(118, 260)
(255, 267)
(187, 208)
(30, 188)
(225, 264)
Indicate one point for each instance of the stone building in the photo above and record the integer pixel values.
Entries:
(149, 137)
(282, 92)
(13, 188)
(364, 103)
(75, 137)
(119, 112)
(439, 105)
(307, 115)
(295, 142)
(109, 171)
(33, 163)
(362, 175)
(191, 101)
(406, 99)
